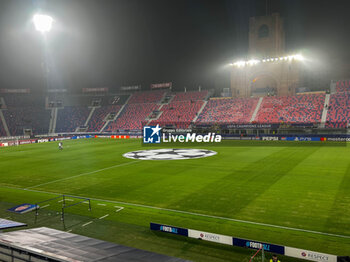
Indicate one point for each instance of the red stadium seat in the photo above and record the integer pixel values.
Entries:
(179, 113)
(235, 110)
(291, 109)
(338, 115)
(96, 122)
(131, 117)
(147, 97)
(343, 86)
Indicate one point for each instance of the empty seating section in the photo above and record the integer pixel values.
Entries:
(2, 130)
(71, 117)
(235, 110)
(291, 109)
(26, 111)
(20, 118)
(195, 95)
(338, 115)
(96, 121)
(179, 114)
(146, 97)
(343, 86)
(115, 100)
(132, 116)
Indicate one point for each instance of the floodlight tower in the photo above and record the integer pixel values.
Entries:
(42, 23)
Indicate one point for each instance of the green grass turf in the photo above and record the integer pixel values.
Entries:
(304, 187)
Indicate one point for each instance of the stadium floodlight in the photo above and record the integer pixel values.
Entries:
(240, 63)
(298, 57)
(42, 23)
(253, 62)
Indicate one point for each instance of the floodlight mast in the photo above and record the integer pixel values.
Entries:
(42, 23)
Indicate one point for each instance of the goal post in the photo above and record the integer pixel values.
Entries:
(255, 257)
(64, 205)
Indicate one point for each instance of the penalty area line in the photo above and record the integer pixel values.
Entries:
(83, 174)
(88, 223)
(194, 214)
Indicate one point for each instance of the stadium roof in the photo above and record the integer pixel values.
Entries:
(62, 246)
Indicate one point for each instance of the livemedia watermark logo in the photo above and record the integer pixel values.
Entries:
(157, 135)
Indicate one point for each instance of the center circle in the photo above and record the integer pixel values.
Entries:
(169, 154)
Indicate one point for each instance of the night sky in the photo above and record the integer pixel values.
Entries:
(111, 43)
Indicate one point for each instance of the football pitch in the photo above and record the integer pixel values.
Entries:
(297, 196)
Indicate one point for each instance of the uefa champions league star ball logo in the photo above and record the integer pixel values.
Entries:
(169, 154)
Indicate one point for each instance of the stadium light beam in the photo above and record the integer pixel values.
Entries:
(298, 57)
(42, 23)
(240, 63)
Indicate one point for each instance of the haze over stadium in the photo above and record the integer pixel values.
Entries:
(174, 130)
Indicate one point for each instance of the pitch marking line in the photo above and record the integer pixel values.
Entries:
(44, 206)
(83, 174)
(194, 214)
(104, 216)
(59, 201)
(119, 208)
(101, 204)
(88, 223)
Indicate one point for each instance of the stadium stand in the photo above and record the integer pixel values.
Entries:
(188, 96)
(26, 112)
(338, 111)
(2, 130)
(343, 86)
(291, 109)
(114, 100)
(179, 113)
(132, 116)
(147, 97)
(235, 110)
(22, 118)
(71, 117)
(96, 122)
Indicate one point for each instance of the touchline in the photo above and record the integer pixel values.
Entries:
(192, 137)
